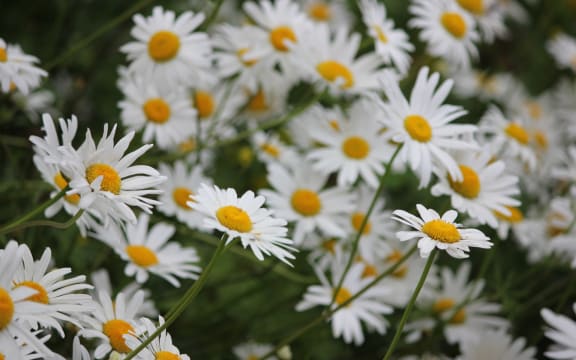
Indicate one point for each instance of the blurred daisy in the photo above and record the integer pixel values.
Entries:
(433, 231)
(485, 187)
(17, 69)
(566, 171)
(562, 331)
(448, 30)
(244, 218)
(167, 50)
(267, 101)
(562, 48)
(316, 116)
(35, 103)
(508, 221)
(166, 116)
(496, 344)
(392, 44)
(161, 348)
(252, 351)
(300, 196)
(270, 149)
(489, 18)
(422, 124)
(177, 189)
(331, 12)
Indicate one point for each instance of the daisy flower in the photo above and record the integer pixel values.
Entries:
(355, 149)
(106, 179)
(149, 251)
(496, 344)
(422, 124)
(562, 48)
(562, 331)
(167, 50)
(367, 308)
(159, 349)
(489, 18)
(300, 196)
(270, 149)
(18, 69)
(244, 218)
(180, 184)
(47, 147)
(448, 30)
(252, 351)
(313, 119)
(331, 12)
(433, 231)
(35, 103)
(485, 187)
(391, 44)
(166, 116)
(268, 100)
(566, 170)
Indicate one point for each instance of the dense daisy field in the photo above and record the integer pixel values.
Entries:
(288, 179)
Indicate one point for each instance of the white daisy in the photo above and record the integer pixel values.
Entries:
(18, 69)
(47, 147)
(35, 103)
(324, 250)
(448, 30)
(489, 17)
(268, 101)
(252, 351)
(433, 231)
(166, 116)
(161, 348)
(392, 44)
(168, 50)
(180, 184)
(496, 344)
(245, 218)
(562, 47)
(316, 116)
(422, 124)
(562, 331)
(269, 148)
(566, 171)
(332, 12)
(149, 251)
(300, 196)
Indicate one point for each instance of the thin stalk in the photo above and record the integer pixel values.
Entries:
(210, 18)
(53, 224)
(408, 308)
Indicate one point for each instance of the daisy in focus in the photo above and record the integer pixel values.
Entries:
(245, 218)
(562, 331)
(433, 231)
(149, 251)
(18, 69)
(161, 348)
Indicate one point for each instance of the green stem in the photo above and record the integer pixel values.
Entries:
(31, 214)
(410, 305)
(364, 223)
(177, 310)
(210, 18)
(53, 224)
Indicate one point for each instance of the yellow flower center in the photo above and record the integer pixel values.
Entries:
(181, 196)
(394, 257)
(62, 183)
(534, 109)
(514, 217)
(166, 355)
(442, 305)
(187, 145)
(459, 317)
(41, 295)
(163, 46)
(204, 104)
(258, 102)
(380, 34)
(334, 125)
(355, 147)
(2, 356)
(541, 139)
(253, 357)
(270, 149)
(3, 55)
(234, 218)
(454, 24)
(469, 187)
(332, 70)
(442, 231)
(476, 7)
(115, 329)
(369, 271)
(6, 309)
(141, 255)
(240, 53)
(357, 219)
(279, 35)
(306, 202)
(320, 11)
(342, 296)
(111, 179)
(418, 128)
(156, 110)
(518, 133)
(329, 245)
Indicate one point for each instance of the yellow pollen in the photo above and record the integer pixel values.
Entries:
(156, 110)
(518, 133)
(270, 149)
(394, 257)
(41, 295)
(6, 309)
(418, 128)
(442, 305)
(514, 217)
(306, 202)
(334, 125)
(181, 196)
(258, 102)
(187, 145)
(111, 179)
(469, 187)
(245, 156)
(279, 35)
(357, 219)
(342, 296)
(534, 109)
(476, 7)
(62, 183)
(369, 271)
(234, 218)
(332, 70)
(454, 24)
(329, 245)
(400, 272)
(115, 329)
(459, 317)
(320, 11)
(442, 231)
(240, 53)
(163, 46)
(253, 357)
(3, 55)
(204, 103)
(380, 34)
(355, 147)
(166, 355)
(141, 255)
(2, 356)
(541, 139)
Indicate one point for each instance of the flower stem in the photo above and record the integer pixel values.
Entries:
(408, 308)
(53, 224)
(186, 299)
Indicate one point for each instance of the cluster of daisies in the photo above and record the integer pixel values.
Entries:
(190, 86)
